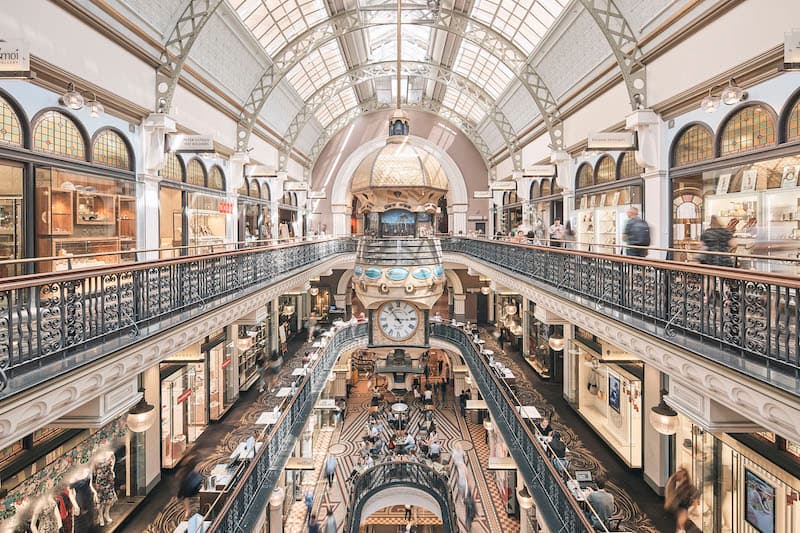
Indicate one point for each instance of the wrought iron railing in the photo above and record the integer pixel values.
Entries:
(51, 323)
(554, 503)
(238, 511)
(746, 320)
(392, 474)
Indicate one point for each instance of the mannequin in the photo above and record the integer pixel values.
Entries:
(82, 497)
(64, 505)
(103, 482)
(23, 515)
(46, 518)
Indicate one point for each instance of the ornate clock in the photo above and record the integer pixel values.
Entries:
(398, 320)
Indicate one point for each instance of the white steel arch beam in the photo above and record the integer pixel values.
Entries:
(420, 69)
(426, 105)
(461, 25)
(192, 20)
(625, 47)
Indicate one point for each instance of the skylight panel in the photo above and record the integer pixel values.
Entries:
(524, 22)
(274, 23)
(464, 105)
(333, 107)
(483, 68)
(316, 69)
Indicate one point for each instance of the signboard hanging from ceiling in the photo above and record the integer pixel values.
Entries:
(179, 142)
(260, 171)
(539, 171)
(791, 50)
(624, 141)
(15, 59)
(295, 186)
(481, 194)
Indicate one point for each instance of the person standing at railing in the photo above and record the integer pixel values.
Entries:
(636, 234)
(717, 238)
(602, 502)
(556, 233)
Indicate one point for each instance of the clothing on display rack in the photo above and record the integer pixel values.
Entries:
(46, 518)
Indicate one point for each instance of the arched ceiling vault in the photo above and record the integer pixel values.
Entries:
(496, 44)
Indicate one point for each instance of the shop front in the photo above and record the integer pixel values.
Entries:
(603, 195)
(82, 475)
(63, 192)
(288, 217)
(255, 217)
(193, 208)
(508, 311)
(545, 206)
(747, 482)
(510, 213)
(254, 342)
(609, 394)
(289, 325)
(540, 354)
(745, 179)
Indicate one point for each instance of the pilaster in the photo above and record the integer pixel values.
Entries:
(459, 306)
(154, 130)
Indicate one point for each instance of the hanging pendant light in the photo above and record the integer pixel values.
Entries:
(556, 342)
(710, 103)
(485, 289)
(313, 291)
(664, 418)
(96, 109)
(732, 94)
(510, 309)
(141, 416)
(72, 98)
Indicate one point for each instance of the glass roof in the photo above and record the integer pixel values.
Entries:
(335, 106)
(523, 22)
(383, 42)
(464, 104)
(316, 69)
(276, 22)
(483, 68)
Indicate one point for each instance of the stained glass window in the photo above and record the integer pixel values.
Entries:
(555, 187)
(585, 176)
(172, 168)
(255, 190)
(793, 123)
(695, 144)
(546, 188)
(10, 131)
(534, 192)
(216, 179)
(54, 133)
(109, 149)
(628, 167)
(748, 130)
(195, 174)
(606, 170)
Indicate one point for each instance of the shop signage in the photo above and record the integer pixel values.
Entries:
(504, 186)
(295, 186)
(623, 140)
(184, 396)
(473, 218)
(178, 142)
(226, 363)
(791, 50)
(226, 207)
(481, 194)
(260, 171)
(15, 59)
(317, 195)
(540, 171)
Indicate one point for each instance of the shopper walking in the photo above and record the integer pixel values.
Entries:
(190, 481)
(309, 497)
(717, 238)
(330, 469)
(636, 233)
(330, 522)
(556, 233)
(681, 498)
(313, 525)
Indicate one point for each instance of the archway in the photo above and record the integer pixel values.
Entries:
(458, 197)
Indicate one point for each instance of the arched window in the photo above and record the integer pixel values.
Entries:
(55, 133)
(555, 187)
(255, 189)
(109, 149)
(748, 129)
(195, 173)
(793, 122)
(546, 188)
(242, 191)
(585, 177)
(216, 179)
(287, 198)
(265, 193)
(172, 169)
(695, 144)
(10, 130)
(510, 197)
(628, 167)
(534, 192)
(605, 171)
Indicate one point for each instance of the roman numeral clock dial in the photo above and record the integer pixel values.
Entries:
(398, 320)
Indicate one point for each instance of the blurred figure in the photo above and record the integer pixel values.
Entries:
(681, 497)
(718, 238)
(636, 233)
(556, 233)
(190, 481)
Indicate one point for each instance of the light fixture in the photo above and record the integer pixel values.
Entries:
(72, 98)
(313, 291)
(141, 416)
(732, 94)
(288, 310)
(556, 342)
(468, 380)
(485, 289)
(276, 498)
(96, 109)
(664, 418)
(510, 309)
(710, 103)
(524, 498)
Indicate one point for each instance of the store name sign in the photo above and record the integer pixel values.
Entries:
(15, 59)
(481, 194)
(540, 171)
(791, 50)
(189, 143)
(295, 186)
(184, 396)
(504, 186)
(226, 207)
(624, 141)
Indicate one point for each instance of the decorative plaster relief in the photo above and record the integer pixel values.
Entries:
(767, 406)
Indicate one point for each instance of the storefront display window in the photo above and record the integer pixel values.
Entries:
(511, 214)
(255, 219)
(223, 387)
(600, 217)
(539, 355)
(109, 149)
(216, 179)
(207, 220)
(12, 238)
(183, 407)
(83, 214)
(254, 342)
(55, 133)
(10, 130)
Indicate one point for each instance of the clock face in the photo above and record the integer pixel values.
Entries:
(398, 320)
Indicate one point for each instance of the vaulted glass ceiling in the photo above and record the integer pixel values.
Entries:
(274, 23)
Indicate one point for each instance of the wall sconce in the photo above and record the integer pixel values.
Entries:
(96, 109)
(556, 342)
(313, 291)
(72, 98)
(732, 94)
(710, 103)
(485, 289)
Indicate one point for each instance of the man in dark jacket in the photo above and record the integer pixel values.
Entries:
(636, 233)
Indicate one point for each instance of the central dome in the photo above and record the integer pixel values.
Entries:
(397, 165)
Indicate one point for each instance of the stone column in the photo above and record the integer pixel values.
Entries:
(570, 371)
(459, 307)
(655, 445)
(276, 510)
(526, 324)
(341, 222)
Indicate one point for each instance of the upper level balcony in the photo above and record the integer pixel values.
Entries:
(399, 251)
